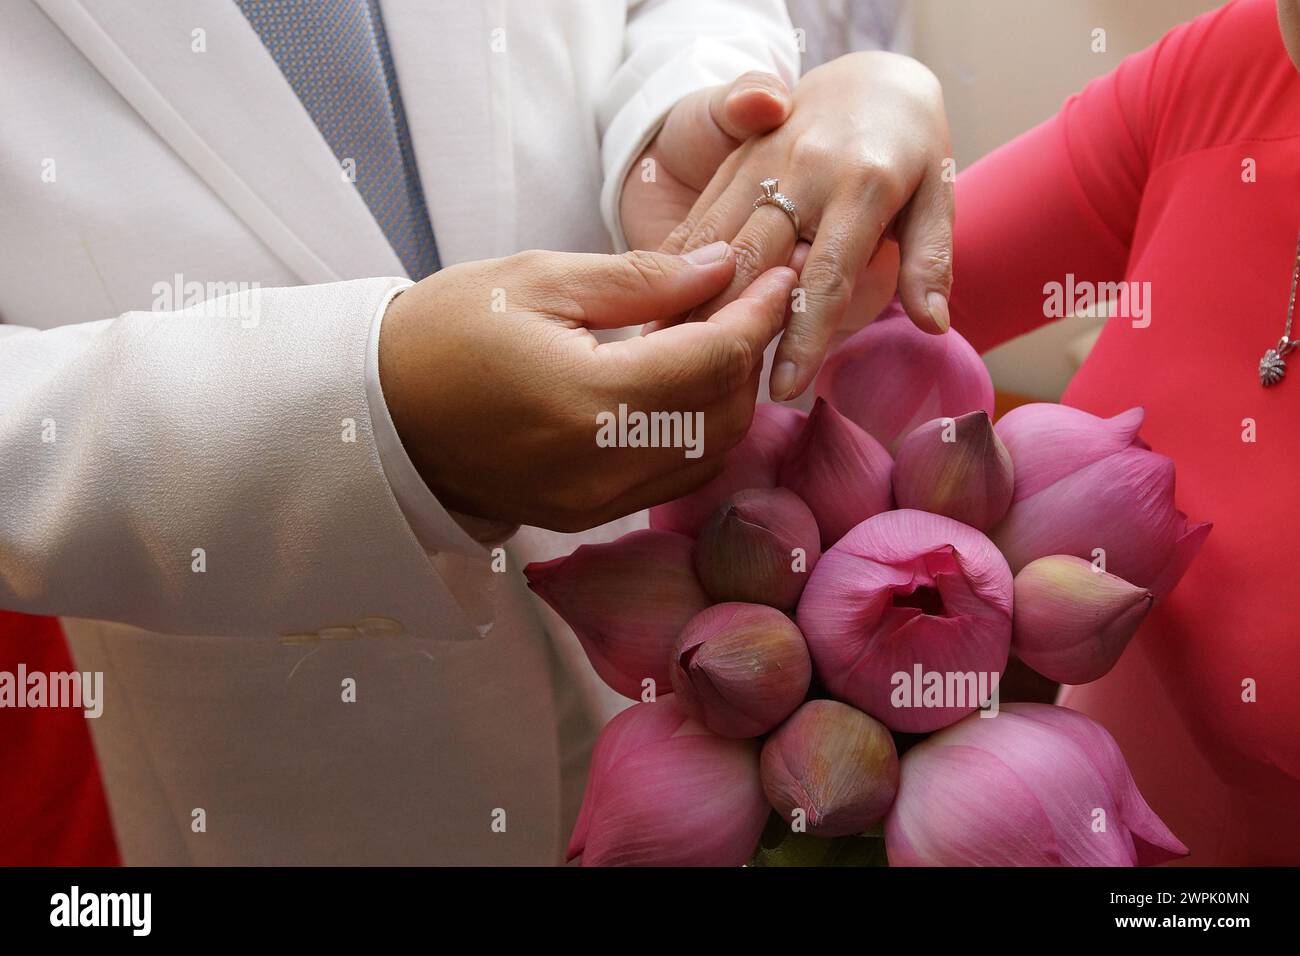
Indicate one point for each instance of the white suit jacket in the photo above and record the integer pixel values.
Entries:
(180, 485)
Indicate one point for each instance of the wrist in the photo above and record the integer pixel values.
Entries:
(401, 370)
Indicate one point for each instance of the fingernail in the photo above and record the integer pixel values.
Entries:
(781, 383)
(936, 304)
(707, 255)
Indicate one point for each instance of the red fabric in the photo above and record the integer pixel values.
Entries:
(52, 807)
(1140, 177)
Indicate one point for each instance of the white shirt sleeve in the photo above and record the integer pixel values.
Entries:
(673, 48)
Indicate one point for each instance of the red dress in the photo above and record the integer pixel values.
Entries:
(52, 807)
(1182, 170)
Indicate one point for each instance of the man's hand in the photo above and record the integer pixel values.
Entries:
(494, 379)
(862, 154)
(699, 133)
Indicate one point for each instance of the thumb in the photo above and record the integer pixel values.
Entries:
(925, 248)
(606, 291)
(705, 127)
(754, 103)
(704, 360)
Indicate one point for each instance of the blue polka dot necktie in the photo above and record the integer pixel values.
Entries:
(334, 53)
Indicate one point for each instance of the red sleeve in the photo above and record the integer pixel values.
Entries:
(1062, 198)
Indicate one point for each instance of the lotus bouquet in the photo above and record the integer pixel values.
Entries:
(851, 587)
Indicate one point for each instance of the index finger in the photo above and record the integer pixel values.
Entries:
(698, 363)
(766, 240)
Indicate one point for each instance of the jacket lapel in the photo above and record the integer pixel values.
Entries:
(198, 74)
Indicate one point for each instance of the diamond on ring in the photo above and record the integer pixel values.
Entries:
(783, 202)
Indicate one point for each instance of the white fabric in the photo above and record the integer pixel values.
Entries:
(179, 154)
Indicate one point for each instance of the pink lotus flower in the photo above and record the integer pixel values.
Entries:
(759, 548)
(890, 377)
(907, 617)
(835, 764)
(754, 463)
(909, 593)
(1083, 483)
(1035, 786)
(663, 791)
(839, 470)
(1072, 621)
(740, 669)
(956, 467)
(626, 601)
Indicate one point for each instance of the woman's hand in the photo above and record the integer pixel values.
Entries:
(697, 136)
(862, 153)
(494, 379)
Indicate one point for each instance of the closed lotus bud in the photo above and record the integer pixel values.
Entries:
(1086, 486)
(754, 463)
(835, 764)
(740, 669)
(1035, 786)
(908, 618)
(626, 601)
(841, 472)
(956, 467)
(891, 377)
(663, 791)
(1072, 621)
(759, 548)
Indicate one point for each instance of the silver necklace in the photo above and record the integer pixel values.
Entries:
(1273, 365)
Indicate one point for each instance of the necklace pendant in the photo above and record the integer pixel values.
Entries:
(1272, 367)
